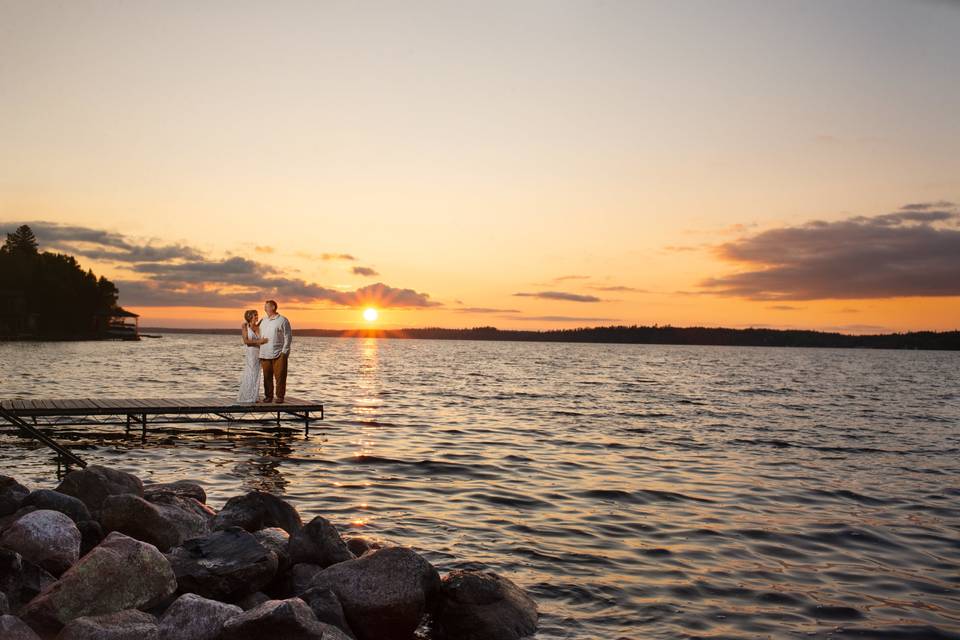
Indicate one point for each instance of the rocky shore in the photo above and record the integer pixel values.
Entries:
(105, 557)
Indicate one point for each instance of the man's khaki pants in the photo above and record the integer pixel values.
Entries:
(274, 369)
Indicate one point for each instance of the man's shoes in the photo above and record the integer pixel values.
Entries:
(265, 401)
(279, 401)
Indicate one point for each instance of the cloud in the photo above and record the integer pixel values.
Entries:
(911, 252)
(925, 206)
(99, 244)
(144, 293)
(364, 271)
(559, 295)
(381, 295)
(179, 275)
(573, 277)
(263, 249)
(485, 310)
(234, 270)
(326, 257)
(617, 288)
(784, 307)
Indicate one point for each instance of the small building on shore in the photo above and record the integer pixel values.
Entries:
(118, 324)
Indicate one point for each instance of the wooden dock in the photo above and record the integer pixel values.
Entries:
(35, 416)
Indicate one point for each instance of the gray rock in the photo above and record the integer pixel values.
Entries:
(193, 617)
(258, 510)
(191, 517)
(360, 545)
(300, 578)
(481, 605)
(130, 624)
(320, 543)
(13, 628)
(252, 600)
(7, 520)
(182, 488)
(277, 540)
(288, 619)
(94, 484)
(224, 565)
(385, 593)
(137, 518)
(56, 501)
(12, 494)
(4, 604)
(120, 573)
(20, 579)
(325, 605)
(47, 538)
(164, 523)
(91, 534)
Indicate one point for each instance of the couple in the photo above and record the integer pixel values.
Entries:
(266, 350)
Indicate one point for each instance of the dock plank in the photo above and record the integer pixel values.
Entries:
(179, 408)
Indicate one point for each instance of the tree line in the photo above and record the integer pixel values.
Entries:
(49, 294)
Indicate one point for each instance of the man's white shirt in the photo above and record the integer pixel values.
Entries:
(279, 335)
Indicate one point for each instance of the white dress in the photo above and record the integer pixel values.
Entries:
(250, 380)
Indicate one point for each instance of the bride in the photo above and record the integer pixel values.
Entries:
(250, 334)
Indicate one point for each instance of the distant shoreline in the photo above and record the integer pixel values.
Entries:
(717, 336)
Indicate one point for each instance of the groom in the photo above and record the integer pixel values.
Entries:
(274, 352)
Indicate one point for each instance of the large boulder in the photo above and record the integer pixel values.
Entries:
(13, 628)
(325, 605)
(94, 484)
(319, 543)
(91, 534)
(191, 517)
(224, 565)
(253, 600)
(280, 620)
(56, 501)
(193, 617)
(137, 518)
(20, 579)
(299, 578)
(122, 625)
(277, 540)
(8, 520)
(258, 510)
(481, 605)
(120, 573)
(360, 545)
(48, 538)
(384, 594)
(182, 488)
(164, 523)
(12, 494)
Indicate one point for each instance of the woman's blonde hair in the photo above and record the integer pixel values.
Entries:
(248, 314)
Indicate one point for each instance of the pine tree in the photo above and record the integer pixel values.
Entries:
(21, 241)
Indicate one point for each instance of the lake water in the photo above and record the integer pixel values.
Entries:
(637, 491)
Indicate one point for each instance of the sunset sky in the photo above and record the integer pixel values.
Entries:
(522, 164)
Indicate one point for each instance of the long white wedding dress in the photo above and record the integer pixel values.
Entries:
(250, 380)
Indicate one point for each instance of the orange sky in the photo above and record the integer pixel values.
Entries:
(616, 163)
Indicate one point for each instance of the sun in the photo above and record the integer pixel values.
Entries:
(370, 314)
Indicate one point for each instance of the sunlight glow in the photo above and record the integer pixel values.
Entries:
(370, 314)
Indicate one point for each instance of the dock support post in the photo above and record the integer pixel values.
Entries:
(128, 424)
(278, 419)
(306, 423)
(143, 435)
